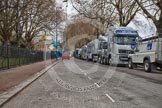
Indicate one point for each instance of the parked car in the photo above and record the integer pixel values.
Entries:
(65, 56)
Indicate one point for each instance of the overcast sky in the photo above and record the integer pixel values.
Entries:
(70, 10)
(145, 28)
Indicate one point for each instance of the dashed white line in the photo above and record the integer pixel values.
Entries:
(97, 84)
(85, 74)
(89, 78)
(112, 100)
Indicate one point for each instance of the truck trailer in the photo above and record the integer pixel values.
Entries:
(92, 50)
(83, 52)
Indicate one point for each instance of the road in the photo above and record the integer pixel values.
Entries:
(79, 84)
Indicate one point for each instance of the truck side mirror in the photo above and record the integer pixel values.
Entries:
(136, 50)
(134, 47)
(138, 39)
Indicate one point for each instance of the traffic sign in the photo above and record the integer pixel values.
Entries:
(55, 44)
(43, 37)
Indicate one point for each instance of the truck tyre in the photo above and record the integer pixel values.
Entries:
(99, 59)
(147, 66)
(104, 60)
(109, 61)
(130, 64)
(93, 60)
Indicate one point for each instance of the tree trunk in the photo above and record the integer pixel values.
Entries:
(159, 27)
(28, 45)
(6, 43)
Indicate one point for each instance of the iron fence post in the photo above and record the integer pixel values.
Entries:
(19, 55)
(8, 61)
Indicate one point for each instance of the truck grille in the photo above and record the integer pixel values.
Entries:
(124, 51)
(123, 58)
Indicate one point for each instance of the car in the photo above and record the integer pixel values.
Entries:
(65, 56)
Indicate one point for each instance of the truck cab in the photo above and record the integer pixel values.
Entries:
(118, 45)
(102, 52)
(83, 52)
(148, 52)
(92, 50)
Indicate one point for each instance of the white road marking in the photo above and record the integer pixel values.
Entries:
(85, 74)
(110, 97)
(89, 78)
(97, 84)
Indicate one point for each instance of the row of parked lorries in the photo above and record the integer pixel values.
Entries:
(124, 46)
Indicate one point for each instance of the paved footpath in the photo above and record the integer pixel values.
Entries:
(14, 76)
(79, 84)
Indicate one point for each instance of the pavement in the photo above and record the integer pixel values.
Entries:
(12, 77)
(79, 84)
(16, 79)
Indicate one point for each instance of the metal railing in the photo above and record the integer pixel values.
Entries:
(13, 56)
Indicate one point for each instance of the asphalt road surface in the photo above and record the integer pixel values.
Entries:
(80, 84)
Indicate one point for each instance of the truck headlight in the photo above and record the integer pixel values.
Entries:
(156, 56)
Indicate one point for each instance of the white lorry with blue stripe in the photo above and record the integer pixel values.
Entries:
(102, 51)
(118, 45)
(92, 50)
(148, 52)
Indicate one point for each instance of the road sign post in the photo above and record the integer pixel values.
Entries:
(43, 38)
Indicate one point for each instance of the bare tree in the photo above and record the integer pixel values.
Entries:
(152, 9)
(105, 13)
(98, 11)
(27, 18)
(126, 10)
(11, 15)
(35, 19)
(79, 27)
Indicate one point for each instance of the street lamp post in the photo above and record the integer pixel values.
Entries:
(66, 1)
(56, 25)
(56, 29)
(17, 24)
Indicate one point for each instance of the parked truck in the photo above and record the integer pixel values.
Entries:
(92, 50)
(83, 52)
(76, 53)
(117, 46)
(147, 52)
(102, 51)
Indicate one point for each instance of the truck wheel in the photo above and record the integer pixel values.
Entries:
(130, 64)
(99, 60)
(109, 61)
(147, 66)
(104, 61)
(93, 60)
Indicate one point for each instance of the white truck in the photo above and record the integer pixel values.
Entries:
(118, 45)
(148, 52)
(102, 51)
(92, 50)
(83, 52)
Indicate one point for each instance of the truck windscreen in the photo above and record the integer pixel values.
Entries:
(125, 39)
(103, 45)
